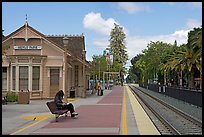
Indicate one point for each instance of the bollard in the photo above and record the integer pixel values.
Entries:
(164, 88)
(159, 89)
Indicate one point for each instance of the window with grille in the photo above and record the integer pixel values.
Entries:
(14, 78)
(36, 78)
(4, 78)
(23, 77)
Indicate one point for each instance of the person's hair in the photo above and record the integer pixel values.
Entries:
(61, 93)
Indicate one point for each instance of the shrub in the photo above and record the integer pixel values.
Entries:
(12, 97)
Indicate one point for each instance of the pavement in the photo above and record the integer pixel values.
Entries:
(113, 113)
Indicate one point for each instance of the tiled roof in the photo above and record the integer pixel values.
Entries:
(75, 45)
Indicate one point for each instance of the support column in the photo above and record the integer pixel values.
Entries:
(84, 75)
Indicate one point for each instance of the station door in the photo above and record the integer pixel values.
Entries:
(54, 82)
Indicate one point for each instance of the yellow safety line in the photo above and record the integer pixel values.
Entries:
(144, 125)
(38, 119)
(124, 118)
(41, 118)
(71, 99)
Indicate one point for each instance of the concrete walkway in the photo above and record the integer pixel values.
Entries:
(103, 117)
(115, 113)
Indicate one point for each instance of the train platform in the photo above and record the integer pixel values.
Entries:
(117, 112)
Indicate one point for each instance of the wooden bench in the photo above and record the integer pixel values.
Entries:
(54, 110)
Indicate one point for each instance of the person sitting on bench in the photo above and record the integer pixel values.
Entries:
(63, 105)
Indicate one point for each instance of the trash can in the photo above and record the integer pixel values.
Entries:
(72, 93)
(23, 97)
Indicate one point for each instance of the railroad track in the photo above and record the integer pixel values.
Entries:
(167, 119)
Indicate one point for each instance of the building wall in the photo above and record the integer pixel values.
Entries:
(50, 55)
(30, 42)
(50, 49)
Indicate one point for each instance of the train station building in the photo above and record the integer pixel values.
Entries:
(44, 64)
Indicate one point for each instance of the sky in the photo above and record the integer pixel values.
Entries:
(142, 22)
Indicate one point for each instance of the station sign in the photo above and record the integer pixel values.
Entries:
(30, 47)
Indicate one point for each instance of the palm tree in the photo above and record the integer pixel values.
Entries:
(195, 41)
(140, 64)
(185, 59)
(188, 56)
(173, 63)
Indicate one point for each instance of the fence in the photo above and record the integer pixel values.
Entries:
(187, 95)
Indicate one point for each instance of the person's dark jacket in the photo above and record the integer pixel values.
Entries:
(58, 99)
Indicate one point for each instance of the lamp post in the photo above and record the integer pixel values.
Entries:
(201, 73)
(165, 77)
(99, 71)
(84, 75)
(108, 63)
(65, 41)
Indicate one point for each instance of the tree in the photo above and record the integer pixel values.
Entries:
(140, 64)
(188, 56)
(118, 48)
(153, 57)
(130, 78)
(195, 42)
(134, 72)
(166, 66)
(174, 61)
(98, 66)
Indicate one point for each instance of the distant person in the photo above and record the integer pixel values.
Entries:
(98, 87)
(92, 87)
(63, 104)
